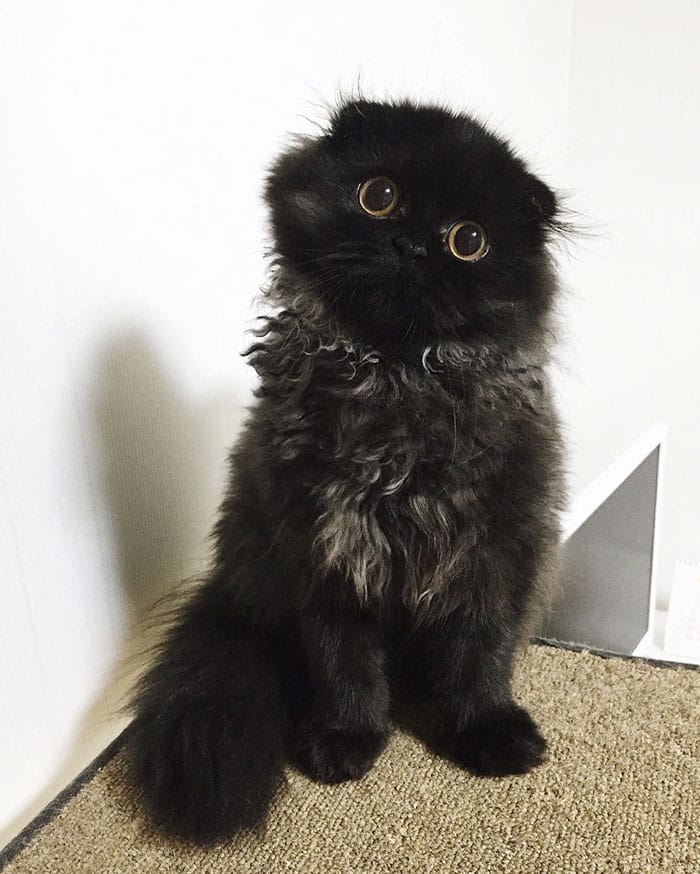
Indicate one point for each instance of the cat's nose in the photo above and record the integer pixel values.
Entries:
(409, 249)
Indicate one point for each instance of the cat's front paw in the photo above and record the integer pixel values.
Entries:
(333, 755)
(502, 742)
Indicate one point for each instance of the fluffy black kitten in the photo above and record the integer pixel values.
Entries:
(393, 504)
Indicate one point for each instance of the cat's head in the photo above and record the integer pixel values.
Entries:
(415, 226)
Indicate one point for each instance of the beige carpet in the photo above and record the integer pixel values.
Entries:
(620, 793)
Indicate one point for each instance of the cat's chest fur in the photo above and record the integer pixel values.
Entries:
(402, 490)
(399, 464)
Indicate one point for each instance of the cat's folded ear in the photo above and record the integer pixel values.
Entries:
(295, 170)
(297, 198)
(542, 200)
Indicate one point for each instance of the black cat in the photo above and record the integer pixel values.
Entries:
(394, 497)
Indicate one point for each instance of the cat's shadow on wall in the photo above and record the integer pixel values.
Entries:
(157, 462)
(161, 468)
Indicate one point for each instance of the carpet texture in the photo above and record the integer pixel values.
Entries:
(619, 793)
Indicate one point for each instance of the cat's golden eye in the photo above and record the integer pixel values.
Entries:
(467, 241)
(378, 196)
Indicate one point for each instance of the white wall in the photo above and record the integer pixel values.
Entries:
(134, 138)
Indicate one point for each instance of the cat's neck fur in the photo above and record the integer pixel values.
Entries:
(300, 329)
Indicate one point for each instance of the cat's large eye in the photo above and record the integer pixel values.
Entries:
(467, 241)
(378, 196)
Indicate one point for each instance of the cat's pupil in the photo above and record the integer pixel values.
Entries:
(468, 240)
(378, 196)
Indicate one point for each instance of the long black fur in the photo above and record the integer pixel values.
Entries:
(393, 502)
